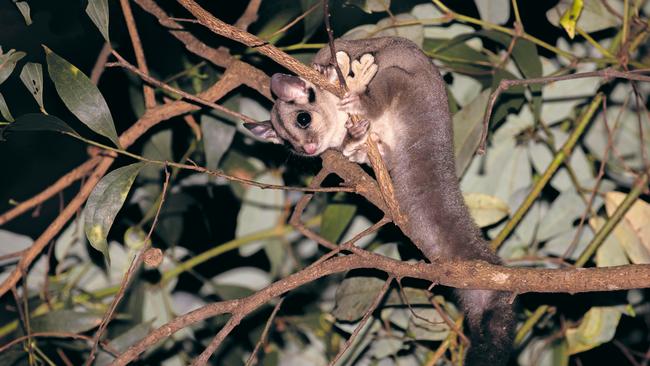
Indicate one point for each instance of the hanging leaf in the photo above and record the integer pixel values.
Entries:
(40, 122)
(8, 63)
(493, 11)
(81, 96)
(336, 218)
(354, 296)
(633, 232)
(570, 18)
(370, 6)
(217, 137)
(594, 16)
(104, 202)
(97, 10)
(468, 125)
(158, 147)
(65, 320)
(23, 7)
(4, 109)
(32, 77)
(485, 209)
(598, 326)
(314, 19)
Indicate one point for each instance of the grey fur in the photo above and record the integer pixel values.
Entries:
(420, 159)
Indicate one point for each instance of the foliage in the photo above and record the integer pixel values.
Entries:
(223, 239)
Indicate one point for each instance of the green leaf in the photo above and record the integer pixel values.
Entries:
(468, 125)
(158, 147)
(23, 7)
(509, 101)
(261, 209)
(336, 218)
(4, 110)
(104, 202)
(354, 296)
(598, 326)
(594, 16)
(40, 122)
(314, 19)
(122, 342)
(65, 320)
(32, 76)
(97, 10)
(485, 209)
(217, 137)
(370, 6)
(493, 11)
(81, 96)
(428, 325)
(456, 53)
(8, 63)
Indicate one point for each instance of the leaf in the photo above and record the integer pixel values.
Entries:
(370, 6)
(248, 277)
(32, 77)
(456, 53)
(428, 325)
(539, 352)
(313, 20)
(570, 18)
(97, 10)
(65, 320)
(354, 296)
(217, 137)
(566, 208)
(485, 209)
(383, 28)
(104, 202)
(8, 62)
(509, 101)
(4, 110)
(261, 209)
(23, 7)
(633, 232)
(493, 11)
(122, 342)
(158, 147)
(610, 253)
(386, 346)
(595, 15)
(598, 326)
(40, 122)
(81, 96)
(468, 125)
(336, 218)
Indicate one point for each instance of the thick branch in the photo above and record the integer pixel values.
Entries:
(469, 274)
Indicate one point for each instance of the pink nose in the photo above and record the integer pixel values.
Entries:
(310, 148)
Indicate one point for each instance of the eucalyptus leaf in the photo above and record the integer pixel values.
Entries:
(81, 96)
(485, 209)
(65, 320)
(610, 252)
(157, 147)
(633, 232)
(23, 7)
(594, 17)
(336, 218)
(354, 296)
(97, 10)
(40, 122)
(370, 6)
(122, 342)
(468, 125)
(104, 202)
(428, 325)
(261, 209)
(4, 109)
(8, 62)
(313, 20)
(598, 326)
(217, 137)
(493, 11)
(32, 77)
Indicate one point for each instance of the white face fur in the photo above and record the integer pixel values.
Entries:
(304, 116)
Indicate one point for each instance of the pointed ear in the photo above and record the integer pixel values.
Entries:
(289, 88)
(264, 130)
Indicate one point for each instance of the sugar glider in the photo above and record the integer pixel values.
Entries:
(400, 94)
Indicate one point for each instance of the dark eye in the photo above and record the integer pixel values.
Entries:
(303, 119)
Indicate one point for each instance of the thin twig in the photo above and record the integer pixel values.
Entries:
(252, 359)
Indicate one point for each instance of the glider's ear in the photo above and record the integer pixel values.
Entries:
(289, 88)
(264, 130)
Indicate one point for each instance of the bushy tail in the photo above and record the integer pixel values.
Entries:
(490, 324)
